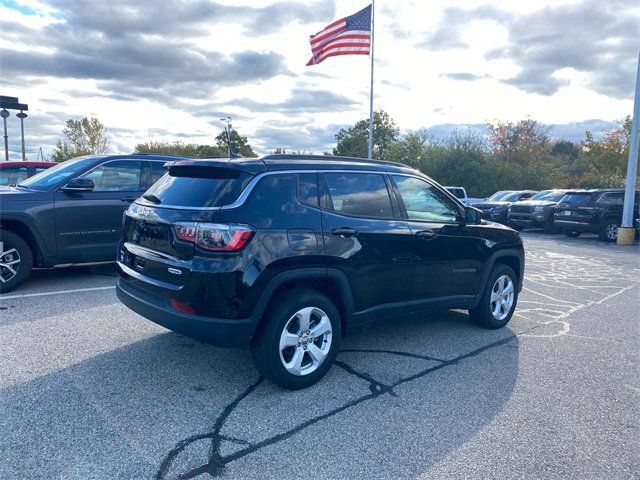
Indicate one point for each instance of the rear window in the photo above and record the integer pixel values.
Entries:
(576, 198)
(196, 191)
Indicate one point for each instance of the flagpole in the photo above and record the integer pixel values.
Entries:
(370, 150)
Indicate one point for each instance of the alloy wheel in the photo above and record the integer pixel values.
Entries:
(502, 295)
(305, 341)
(611, 231)
(9, 263)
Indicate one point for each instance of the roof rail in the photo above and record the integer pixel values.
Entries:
(291, 156)
(161, 155)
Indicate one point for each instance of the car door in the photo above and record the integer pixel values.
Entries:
(365, 239)
(88, 224)
(447, 254)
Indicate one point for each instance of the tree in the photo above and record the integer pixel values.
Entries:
(82, 137)
(181, 149)
(412, 149)
(353, 141)
(239, 144)
(525, 140)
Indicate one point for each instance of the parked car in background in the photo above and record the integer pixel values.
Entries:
(461, 194)
(288, 253)
(71, 213)
(592, 211)
(12, 173)
(537, 212)
(497, 210)
(497, 196)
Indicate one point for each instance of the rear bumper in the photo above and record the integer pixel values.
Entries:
(525, 220)
(220, 332)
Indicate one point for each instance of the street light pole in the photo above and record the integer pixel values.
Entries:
(627, 232)
(228, 132)
(22, 116)
(4, 114)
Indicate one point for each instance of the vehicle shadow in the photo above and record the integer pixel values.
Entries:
(170, 407)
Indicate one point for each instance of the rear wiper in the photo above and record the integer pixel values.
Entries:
(152, 198)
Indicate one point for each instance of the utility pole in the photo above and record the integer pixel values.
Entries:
(4, 114)
(627, 232)
(228, 132)
(22, 116)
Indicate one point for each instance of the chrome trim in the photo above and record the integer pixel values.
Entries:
(156, 256)
(144, 278)
(251, 185)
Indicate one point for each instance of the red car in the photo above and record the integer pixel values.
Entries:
(12, 173)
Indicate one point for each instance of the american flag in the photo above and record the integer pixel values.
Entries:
(348, 36)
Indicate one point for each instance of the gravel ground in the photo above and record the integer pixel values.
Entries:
(89, 390)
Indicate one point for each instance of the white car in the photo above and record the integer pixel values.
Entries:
(461, 194)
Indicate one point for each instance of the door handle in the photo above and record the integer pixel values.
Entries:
(344, 232)
(128, 199)
(426, 234)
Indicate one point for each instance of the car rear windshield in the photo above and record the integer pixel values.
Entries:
(576, 198)
(190, 188)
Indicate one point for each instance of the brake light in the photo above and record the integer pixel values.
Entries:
(182, 307)
(214, 236)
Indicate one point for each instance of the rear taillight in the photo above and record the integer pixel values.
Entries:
(214, 236)
(182, 307)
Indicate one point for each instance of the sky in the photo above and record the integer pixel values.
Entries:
(169, 70)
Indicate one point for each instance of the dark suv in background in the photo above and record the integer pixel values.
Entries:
(70, 213)
(496, 207)
(592, 211)
(290, 253)
(537, 212)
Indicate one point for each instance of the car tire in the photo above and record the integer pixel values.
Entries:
(282, 349)
(572, 233)
(499, 299)
(16, 261)
(609, 230)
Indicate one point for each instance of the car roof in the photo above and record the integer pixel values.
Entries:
(593, 190)
(28, 164)
(330, 162)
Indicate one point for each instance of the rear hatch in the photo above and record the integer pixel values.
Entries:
(157, 227)
(575, 206)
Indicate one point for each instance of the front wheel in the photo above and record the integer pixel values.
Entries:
(16, 261)
(609, 231)
(498, 300)
(298, 339)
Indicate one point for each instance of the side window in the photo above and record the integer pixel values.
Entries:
(118, 176)
(611, 199)
(425, 202)
(308, 189)
(13, 175)
(157, 171)
(526, 196)
(358, 194)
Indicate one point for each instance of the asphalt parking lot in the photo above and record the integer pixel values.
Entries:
(90, 390)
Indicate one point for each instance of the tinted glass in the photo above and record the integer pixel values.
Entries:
(611, 199)
(425, 202)
(157, 171)
(116, 176)
(192, 191)
(308, 189)
(358, 194)
(13, 175)
(40, 169)
(576, 198)
(457, 192)
(61, 172)
(543, 194)
(511, 197)
(554, 197)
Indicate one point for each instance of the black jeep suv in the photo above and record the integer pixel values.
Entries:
(290, 253)
(70, 213)
(537, 212)
(497, 210)
(593, 211)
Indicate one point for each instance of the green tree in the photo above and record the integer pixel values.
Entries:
(239, 144)
(522, 141)
(81, 137)
(181, 149)
(353, 141)
(412, 149)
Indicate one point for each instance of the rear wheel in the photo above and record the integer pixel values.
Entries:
(609, 230)
(299, 339)
(498, 300)
(16, 261)
(572, 233)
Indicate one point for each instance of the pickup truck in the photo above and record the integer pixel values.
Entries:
(461, 194)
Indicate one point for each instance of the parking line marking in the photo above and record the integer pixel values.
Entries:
(56, 292)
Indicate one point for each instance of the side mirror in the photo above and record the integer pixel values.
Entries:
(77, 185)
(473, 215)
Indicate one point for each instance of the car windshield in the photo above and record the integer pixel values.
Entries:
(553, 197)
(497, 195)
(543, 194)
(59, 173)
(511, 197)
